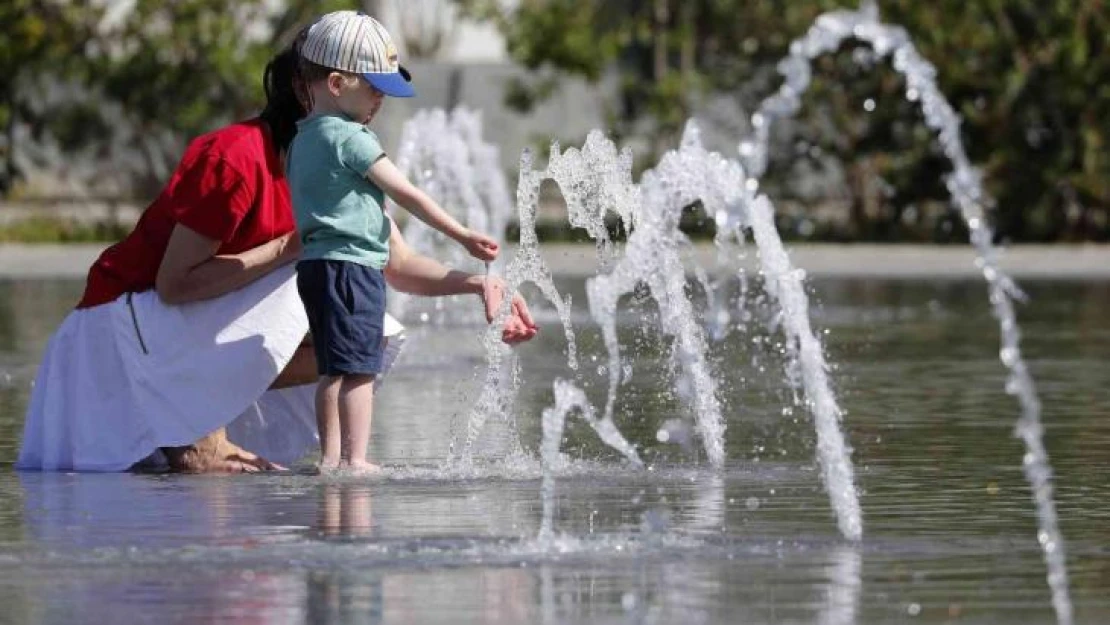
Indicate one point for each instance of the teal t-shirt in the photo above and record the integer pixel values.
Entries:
(339, 212)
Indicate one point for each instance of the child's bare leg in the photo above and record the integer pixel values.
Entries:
(328, 422)
(300, 370)
(356, 405)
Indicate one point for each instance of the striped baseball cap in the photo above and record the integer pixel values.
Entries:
(354, 42)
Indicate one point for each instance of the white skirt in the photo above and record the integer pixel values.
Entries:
(122, 379)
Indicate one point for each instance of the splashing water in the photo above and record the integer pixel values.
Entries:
(965, 185)
(527, 265)
(445, 155)
(599, 181)
(569, 398)
(652, 257)
(785, 285)
(596, 180)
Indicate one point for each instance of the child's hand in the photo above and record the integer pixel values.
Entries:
(480, 246)
(520, 326)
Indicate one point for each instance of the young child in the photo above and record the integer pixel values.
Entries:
(338, 178)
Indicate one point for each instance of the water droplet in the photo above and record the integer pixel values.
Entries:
(912, 95)
(913, 609)
(869, 105)
(662, 436)
(628, 601)
(752, 503)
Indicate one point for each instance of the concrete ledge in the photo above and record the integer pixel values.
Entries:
(819, 260)
(885, 261)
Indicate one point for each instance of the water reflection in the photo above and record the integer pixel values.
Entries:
(348, 596)
(842, 594)
(345, 511)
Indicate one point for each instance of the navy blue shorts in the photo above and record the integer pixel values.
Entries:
(345, 303)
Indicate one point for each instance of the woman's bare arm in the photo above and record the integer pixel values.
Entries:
(191, 270)
(411, 272)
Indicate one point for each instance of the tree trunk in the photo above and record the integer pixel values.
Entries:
(689, 41)
(7, 180)
(662, 16)
(865, 205)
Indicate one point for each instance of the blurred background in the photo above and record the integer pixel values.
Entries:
(99, 97)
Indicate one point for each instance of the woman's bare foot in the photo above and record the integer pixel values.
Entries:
(215, 454)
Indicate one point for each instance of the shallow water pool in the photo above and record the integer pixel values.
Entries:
(949, 526)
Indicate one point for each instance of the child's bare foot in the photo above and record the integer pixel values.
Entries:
(359, 467)
(327, 466)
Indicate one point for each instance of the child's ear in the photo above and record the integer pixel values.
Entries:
(336, 83)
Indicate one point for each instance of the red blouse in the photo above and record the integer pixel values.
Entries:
(230, 186)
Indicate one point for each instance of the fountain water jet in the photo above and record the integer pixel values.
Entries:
(526, 266)
(965, 186)
(596, 180)
(445, 155)
(592, 191)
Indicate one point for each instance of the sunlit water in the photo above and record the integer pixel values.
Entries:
(951, 534)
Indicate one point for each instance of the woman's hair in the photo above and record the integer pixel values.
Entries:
(284, 86)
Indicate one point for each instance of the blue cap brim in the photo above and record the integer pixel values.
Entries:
(397, 84)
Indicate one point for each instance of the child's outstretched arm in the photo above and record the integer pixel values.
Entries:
(390, 179)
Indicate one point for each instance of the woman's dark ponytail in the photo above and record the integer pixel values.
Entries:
(282, 84)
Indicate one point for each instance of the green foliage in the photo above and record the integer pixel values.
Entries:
(1031, 79)
(185, 65)
(189, 64)
(38, 36)
(57, 230)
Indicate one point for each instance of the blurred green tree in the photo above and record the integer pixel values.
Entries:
(183, 65)
(38, 36)
(1031, 79)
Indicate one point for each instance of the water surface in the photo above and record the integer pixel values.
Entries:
(949, 527)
